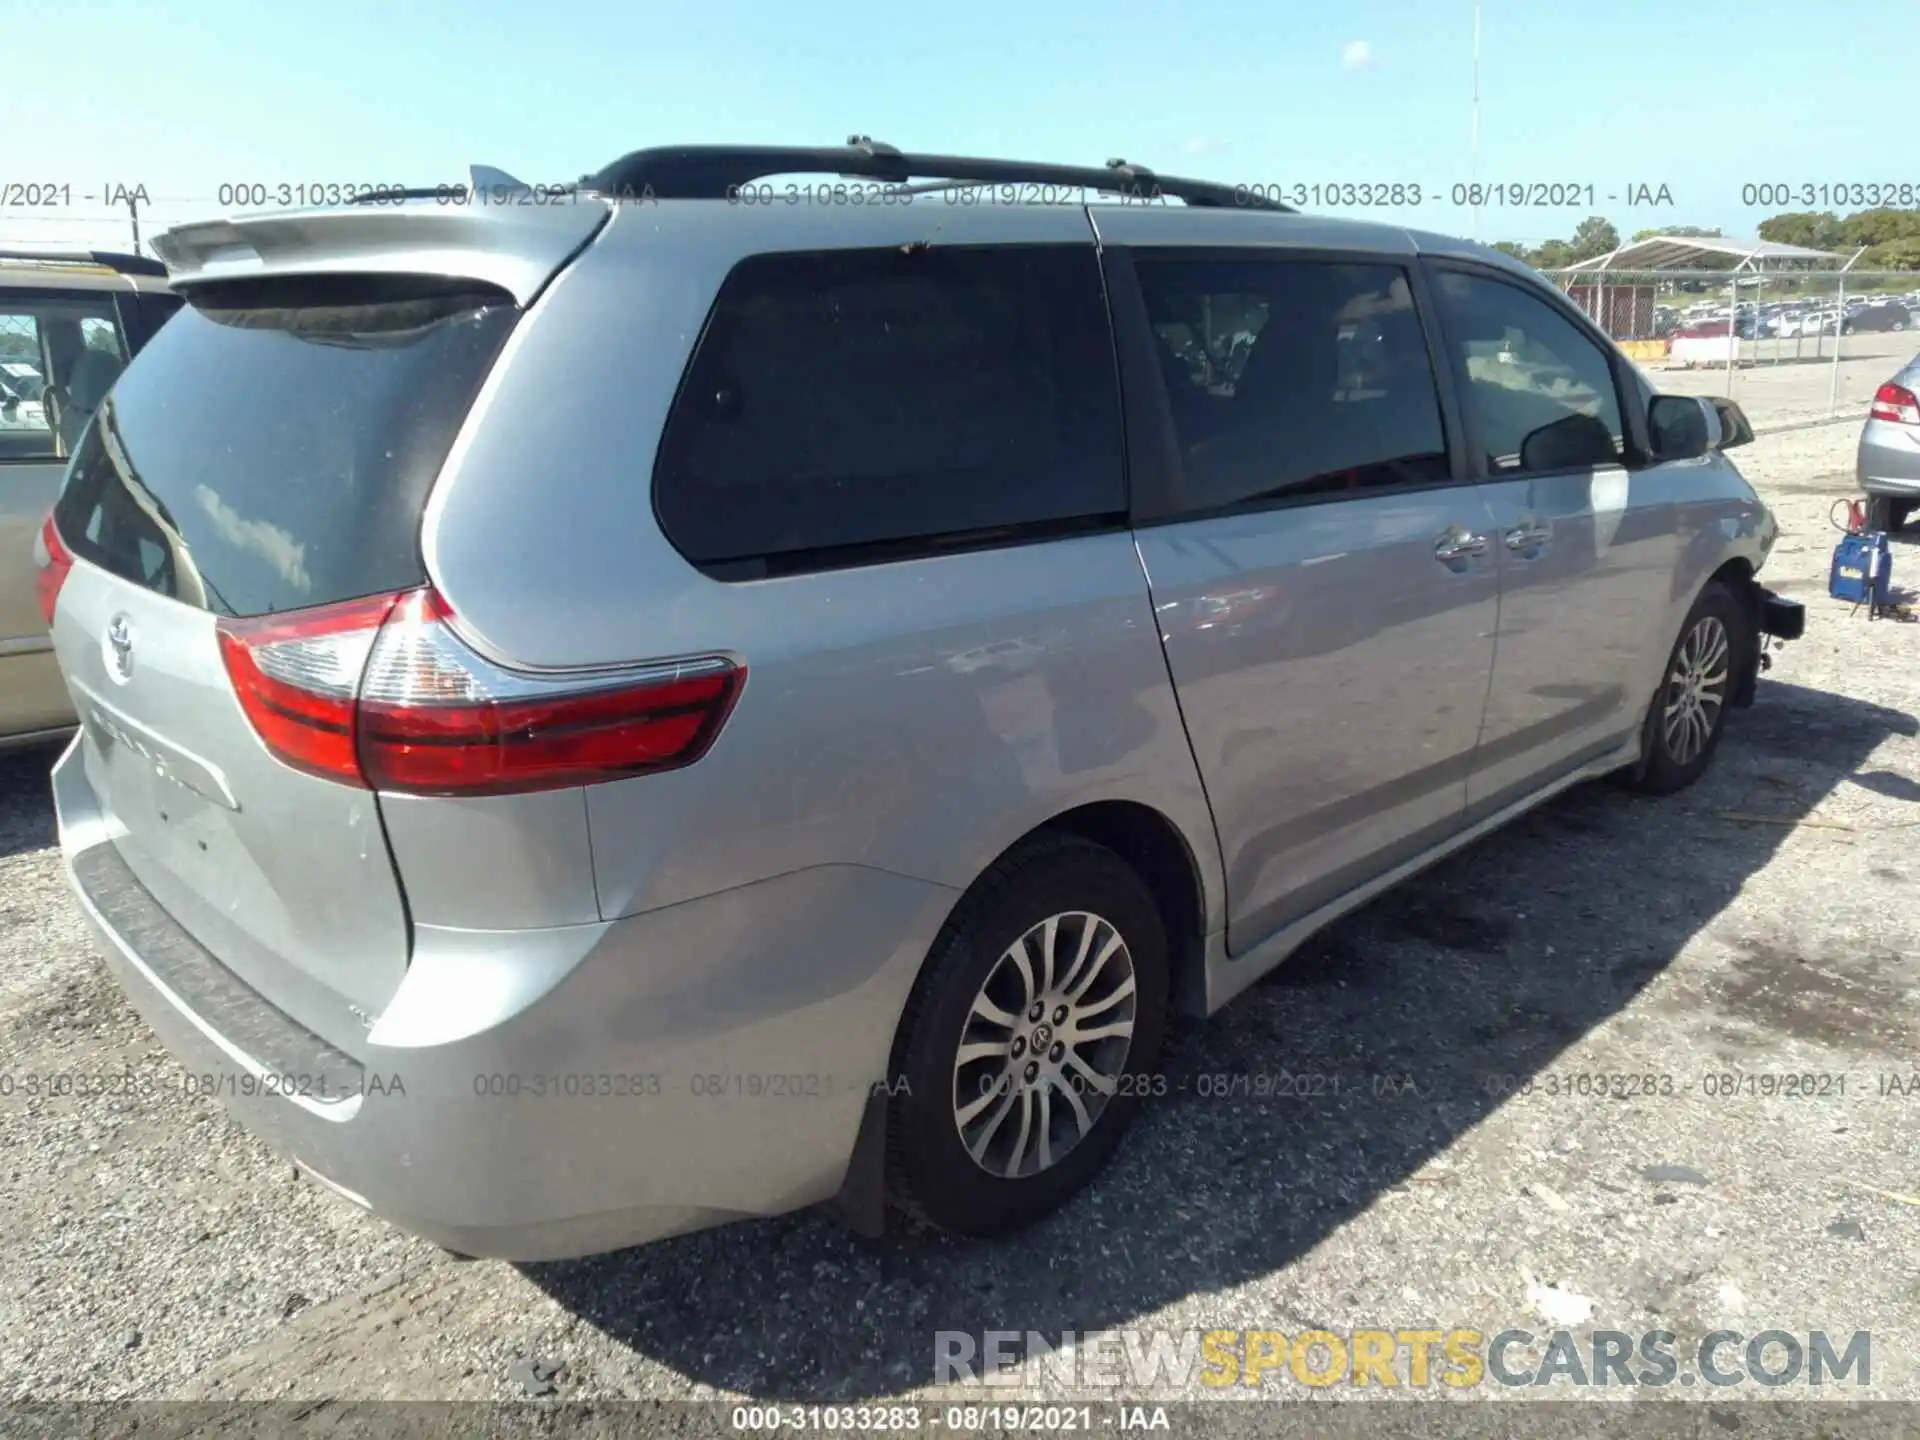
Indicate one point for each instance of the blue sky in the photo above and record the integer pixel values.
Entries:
(1701, 97)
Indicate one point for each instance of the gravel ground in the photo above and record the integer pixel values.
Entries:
(1760, 923)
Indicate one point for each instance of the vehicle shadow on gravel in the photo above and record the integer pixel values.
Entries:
(26, 809)
(1468, 978)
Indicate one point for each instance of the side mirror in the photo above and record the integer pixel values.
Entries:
(1682, 427)
(1735, 428)
(1574, 442)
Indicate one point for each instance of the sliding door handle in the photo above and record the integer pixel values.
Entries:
(1459, 544)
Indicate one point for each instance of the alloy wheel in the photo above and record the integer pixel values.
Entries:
(1045, 1044)
(1697, 689)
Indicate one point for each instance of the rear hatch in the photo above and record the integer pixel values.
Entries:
(270, 451)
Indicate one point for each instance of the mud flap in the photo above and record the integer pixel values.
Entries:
(861, 1203)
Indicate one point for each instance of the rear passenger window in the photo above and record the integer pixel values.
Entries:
(1540, 391)
(857, 404)
(1293, 378)
(60, 352)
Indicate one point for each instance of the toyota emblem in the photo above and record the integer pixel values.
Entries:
(120, 648)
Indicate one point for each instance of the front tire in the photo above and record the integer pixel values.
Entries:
(1689, 711)
(1886, 514)
(1029, 1041)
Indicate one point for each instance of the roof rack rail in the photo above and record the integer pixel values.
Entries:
(713, 172)
(115, 260)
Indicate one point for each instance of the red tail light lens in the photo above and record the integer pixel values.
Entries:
(298, 679)
(1895, 403)
(53, 562)
(383, 694)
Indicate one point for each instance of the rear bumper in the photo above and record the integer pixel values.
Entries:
(533, 1095)
(1884, 485)
(1889, 460)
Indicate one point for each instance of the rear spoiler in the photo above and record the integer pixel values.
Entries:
(515, 239)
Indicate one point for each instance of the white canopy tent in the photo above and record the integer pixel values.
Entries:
(1683, 252)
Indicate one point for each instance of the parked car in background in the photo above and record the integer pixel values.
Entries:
(1888, 464)
(1706, 342)
(1885, 315)
(21, 381)
(806, 755)
(68, 324)
(19, 401)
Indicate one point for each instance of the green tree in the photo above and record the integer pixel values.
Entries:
(1593, 236)
(1877, 227)
(1513, 248)
(1815, 229)
(1553, 254)
(1901, 253)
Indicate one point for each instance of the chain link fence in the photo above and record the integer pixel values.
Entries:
(19, 339)
(1791, 346)
(42, 337)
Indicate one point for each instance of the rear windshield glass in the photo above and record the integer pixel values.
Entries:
(271, 448)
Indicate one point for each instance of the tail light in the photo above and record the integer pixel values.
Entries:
(1895, 403)
(382, 693)
(52, 563)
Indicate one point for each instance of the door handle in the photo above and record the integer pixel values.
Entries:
(1459, 544)
(1528, 537)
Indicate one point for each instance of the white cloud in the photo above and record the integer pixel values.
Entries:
(1204, 145)
(1357, 55)
(269, 541)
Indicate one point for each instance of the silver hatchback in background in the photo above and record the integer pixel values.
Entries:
(614, 712)
(1889, 462)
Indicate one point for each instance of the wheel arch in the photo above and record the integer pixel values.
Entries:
(1161, 855)
(1147, 839)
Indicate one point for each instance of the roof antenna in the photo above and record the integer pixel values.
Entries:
(490, 186)
(867, 145)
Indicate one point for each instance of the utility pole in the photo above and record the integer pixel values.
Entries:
(1473, 163)
(133, 209)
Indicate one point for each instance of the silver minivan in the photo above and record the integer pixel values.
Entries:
(761, 678)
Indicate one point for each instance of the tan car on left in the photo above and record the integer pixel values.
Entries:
(69, 323)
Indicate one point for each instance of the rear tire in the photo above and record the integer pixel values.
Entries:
(1060, 939)
(1689, 711)
(1886, 514)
